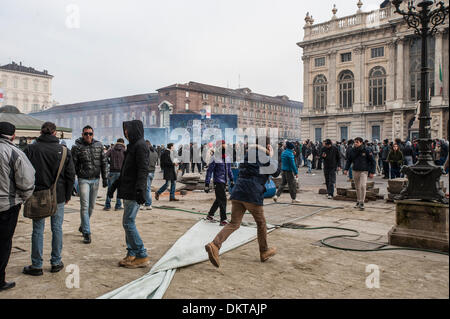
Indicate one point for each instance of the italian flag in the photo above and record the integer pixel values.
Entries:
(440, 78)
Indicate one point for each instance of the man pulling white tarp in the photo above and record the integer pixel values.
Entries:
(188, 250)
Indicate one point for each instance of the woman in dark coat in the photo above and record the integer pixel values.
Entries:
(169, 173)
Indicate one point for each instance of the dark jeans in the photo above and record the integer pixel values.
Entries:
(199, 167)
(395, 172)
(220, 202)
(184, 168)
(172, 188)
(386, 169)
(288, 178)
(8, 222)
(330, 180)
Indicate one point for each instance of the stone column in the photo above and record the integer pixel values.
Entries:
(331, 89)
(437, 63)
(359, 80)
(400, 83)
(307, 106)
(390, 81)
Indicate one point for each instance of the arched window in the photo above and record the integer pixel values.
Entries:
(377, 86)
(415, 51)
(346, 89)
(320, 92)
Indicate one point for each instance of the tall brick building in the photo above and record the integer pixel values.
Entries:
(253, 109)
(106, 116)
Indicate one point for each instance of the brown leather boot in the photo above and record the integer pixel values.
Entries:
(126, 260)
(213, 253)
(174, 199)
(138, 263)
(268, 253)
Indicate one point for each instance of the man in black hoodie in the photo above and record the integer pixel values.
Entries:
(46, 155)
(132, 187)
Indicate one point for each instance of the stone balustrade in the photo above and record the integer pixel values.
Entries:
(349, 23)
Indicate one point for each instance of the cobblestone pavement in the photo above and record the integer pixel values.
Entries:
(301, 268)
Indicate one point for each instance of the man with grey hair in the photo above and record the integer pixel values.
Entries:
(16, 186)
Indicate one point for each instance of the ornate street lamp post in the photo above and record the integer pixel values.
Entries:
(424, 176)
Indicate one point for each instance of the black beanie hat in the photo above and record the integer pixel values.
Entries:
(7, 128)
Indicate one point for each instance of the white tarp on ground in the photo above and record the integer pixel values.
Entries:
(188, 250)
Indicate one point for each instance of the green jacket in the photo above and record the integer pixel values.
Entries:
(395, 158)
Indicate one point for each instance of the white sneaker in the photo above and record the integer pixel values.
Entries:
(330, 197)
(148, 207)
(313, 174)
(275, 198)
(296, 201)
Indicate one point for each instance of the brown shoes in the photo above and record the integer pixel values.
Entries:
(127, 259)
(156, 196)
(174, 199)
(213, 253)
(137, 263)
(268, 253)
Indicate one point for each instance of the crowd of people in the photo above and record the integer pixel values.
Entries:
(128, 170)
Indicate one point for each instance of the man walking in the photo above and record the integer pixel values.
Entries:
(90, 161)
(46, 156)
(16, 186)
(331, 161)
(363, 166)
(248, 194)
(289, 173)
(169, 175)
(132, 186)
(152, 159)
(220, 168)
(116, 154)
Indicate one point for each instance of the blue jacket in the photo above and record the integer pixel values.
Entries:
(252, 176)
(288, 161)
(221, 171)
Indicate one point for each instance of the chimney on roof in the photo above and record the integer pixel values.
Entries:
(20, 63)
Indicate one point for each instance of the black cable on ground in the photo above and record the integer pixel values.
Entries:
(322, 241)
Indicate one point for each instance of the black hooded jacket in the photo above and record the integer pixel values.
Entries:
(133, 176)
(45, 155)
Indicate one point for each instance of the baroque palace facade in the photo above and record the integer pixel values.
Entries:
(362, 77)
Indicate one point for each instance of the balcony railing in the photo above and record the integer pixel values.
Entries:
(349, 23)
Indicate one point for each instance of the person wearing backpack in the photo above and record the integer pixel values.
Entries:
(46, 155)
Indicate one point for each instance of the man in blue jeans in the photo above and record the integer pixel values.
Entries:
(153, 158)
(90, 161)
(46, 156)
(132, 186)
(116, 154)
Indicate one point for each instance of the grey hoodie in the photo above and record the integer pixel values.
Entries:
(16, 175)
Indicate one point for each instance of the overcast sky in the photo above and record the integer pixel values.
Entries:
(136, 46)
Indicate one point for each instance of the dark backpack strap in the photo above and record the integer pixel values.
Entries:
(61, 165)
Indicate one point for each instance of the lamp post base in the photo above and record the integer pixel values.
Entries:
(423, 183)
(420, 225)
